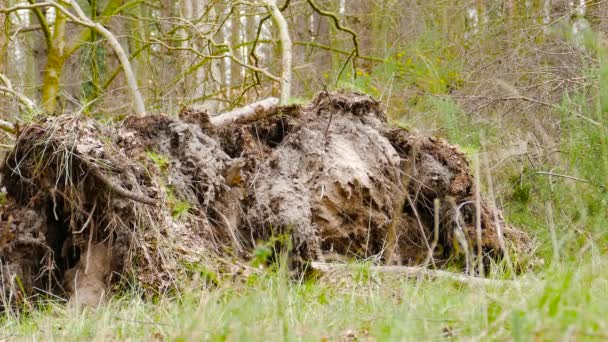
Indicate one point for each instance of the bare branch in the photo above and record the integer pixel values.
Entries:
(229, 54)
(24, 100)
(248, 113)
(83, 20)
(43, 24)
(337, 24)
(24, 6)
(286, 49)
(8, 89)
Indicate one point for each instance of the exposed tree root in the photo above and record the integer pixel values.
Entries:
(119, 190)
(330, 179)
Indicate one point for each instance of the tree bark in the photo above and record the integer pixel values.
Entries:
(56, 57)
(286, 49)
(248, 113)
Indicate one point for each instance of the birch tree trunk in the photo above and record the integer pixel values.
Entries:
(3, 46)
(286, 49)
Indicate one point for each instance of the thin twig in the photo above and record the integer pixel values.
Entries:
(337, 24)
(430, 257)
(478, 214)
(84, 226)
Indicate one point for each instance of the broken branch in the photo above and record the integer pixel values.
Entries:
(251, 112)
(412, 272)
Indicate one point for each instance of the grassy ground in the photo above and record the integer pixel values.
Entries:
(564, 301)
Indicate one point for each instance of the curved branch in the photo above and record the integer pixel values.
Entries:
(229, 54)
(337, 24)
(81, 19)
(120, 191)
(252, 54)
(8, 89)
(43, 24)
(140, 108)
(24, 100)
(24, 6)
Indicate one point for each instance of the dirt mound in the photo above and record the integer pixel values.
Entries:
(87, 204)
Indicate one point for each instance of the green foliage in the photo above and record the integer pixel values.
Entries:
(428, 64)
(579, 203)
(179, 208)
(297, 100)
(445, 113)
(159, 160)
(3, 197)
(261, 255)
(563, 302)
(272, 251)
(562, 299)
(203, 273)
(521, 191)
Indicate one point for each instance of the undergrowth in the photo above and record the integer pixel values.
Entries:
(567, 301)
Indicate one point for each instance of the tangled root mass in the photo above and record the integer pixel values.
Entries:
(89, 204)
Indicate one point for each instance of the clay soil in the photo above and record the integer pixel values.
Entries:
(87, 205)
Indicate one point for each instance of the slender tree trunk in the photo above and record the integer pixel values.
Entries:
(286, 49)
(235, 40)
(51, 80)
(3, 46)
(186, 11)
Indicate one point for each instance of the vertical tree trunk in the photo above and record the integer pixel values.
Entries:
(3, 45)
(235, 40)
(286, 49)
(51, 80)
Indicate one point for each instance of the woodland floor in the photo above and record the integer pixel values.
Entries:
(181, 230)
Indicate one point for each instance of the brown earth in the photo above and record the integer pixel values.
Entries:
(87, 204)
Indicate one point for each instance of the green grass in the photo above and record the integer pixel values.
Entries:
(564, 301)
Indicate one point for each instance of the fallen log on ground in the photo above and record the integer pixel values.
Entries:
(249, 113)
(166, 196)
(410, 272)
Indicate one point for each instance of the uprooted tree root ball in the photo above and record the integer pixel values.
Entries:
(89, 204)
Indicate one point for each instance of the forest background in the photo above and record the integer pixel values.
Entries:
(520, 85)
